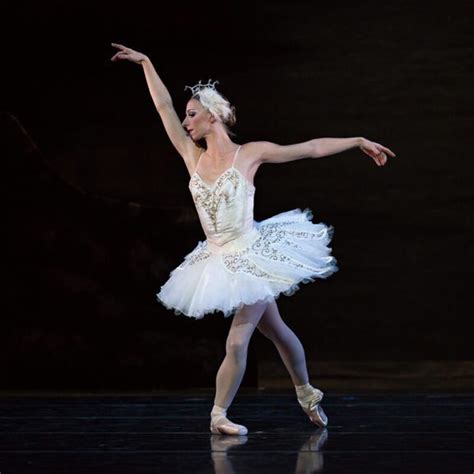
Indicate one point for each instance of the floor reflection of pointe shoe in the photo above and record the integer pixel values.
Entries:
(309, 463)
(310, 456)
(317, 440)
(222, 425)
(312, 407)
(221, 443)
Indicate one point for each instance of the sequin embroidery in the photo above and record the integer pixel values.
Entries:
(197, 255)
(211, 198)
(239, 263)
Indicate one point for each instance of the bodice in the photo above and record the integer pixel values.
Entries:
(225, 209)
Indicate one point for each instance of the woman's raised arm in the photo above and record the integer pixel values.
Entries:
(164, 105)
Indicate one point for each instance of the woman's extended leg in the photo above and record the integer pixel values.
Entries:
(232, 369)
(292, 353)
(287, 343)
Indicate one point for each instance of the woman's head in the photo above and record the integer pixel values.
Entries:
(208, 105)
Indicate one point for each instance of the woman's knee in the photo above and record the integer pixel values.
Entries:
(238, 339)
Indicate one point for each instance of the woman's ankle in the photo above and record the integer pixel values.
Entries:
(304, 390)
(218, 411)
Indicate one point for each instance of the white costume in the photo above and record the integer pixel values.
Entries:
(243, 261)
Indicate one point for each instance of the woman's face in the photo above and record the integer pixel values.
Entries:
(197, 121)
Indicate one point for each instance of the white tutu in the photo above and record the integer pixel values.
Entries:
(275, 257)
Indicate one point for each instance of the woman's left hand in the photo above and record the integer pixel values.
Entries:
(376, 151)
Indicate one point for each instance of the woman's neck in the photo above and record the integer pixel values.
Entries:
(219, 145)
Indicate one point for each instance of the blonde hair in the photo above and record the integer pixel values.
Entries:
(215, 103)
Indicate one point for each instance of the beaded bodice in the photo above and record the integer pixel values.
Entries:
(225, 208)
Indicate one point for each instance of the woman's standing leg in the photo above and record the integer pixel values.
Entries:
(232, 369)
(292, 353)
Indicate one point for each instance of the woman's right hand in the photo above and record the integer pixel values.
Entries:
(127, 53)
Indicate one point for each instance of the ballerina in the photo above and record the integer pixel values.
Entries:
(243, 266)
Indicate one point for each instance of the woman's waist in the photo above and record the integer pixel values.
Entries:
(232, 242)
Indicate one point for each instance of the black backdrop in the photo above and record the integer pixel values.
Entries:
(97, 210)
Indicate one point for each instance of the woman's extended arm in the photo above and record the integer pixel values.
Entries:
(319, 147)
(164, 105)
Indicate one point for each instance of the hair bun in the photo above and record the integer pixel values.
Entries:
(214, 101)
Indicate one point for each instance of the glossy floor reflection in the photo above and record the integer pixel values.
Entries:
(168, 433)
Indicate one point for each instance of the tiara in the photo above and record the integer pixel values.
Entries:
(199, 86)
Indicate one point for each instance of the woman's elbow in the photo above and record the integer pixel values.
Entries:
(315, 150)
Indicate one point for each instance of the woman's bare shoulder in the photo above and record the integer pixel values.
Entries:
(253, 151)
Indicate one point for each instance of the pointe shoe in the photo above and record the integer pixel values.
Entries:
(222, 425)
(311, 406)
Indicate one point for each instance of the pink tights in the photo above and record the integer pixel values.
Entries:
(265, 317)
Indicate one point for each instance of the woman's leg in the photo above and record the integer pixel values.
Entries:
(292, 353)
(287, 343)
(232, 369)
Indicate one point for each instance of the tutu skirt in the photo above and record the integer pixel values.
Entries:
(275, 257)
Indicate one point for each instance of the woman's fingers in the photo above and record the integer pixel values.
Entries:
(390, 152)
(379, 157)
(123, 49)
(116, 45)
(116, 56)
(122, 54)
(378, 153)
(385, 149)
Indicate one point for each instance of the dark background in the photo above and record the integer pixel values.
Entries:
(97, 211)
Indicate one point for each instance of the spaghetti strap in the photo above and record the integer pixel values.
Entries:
(198, 160)
(202, 152)
(235, 156)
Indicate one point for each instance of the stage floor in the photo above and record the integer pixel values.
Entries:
(168, 432)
